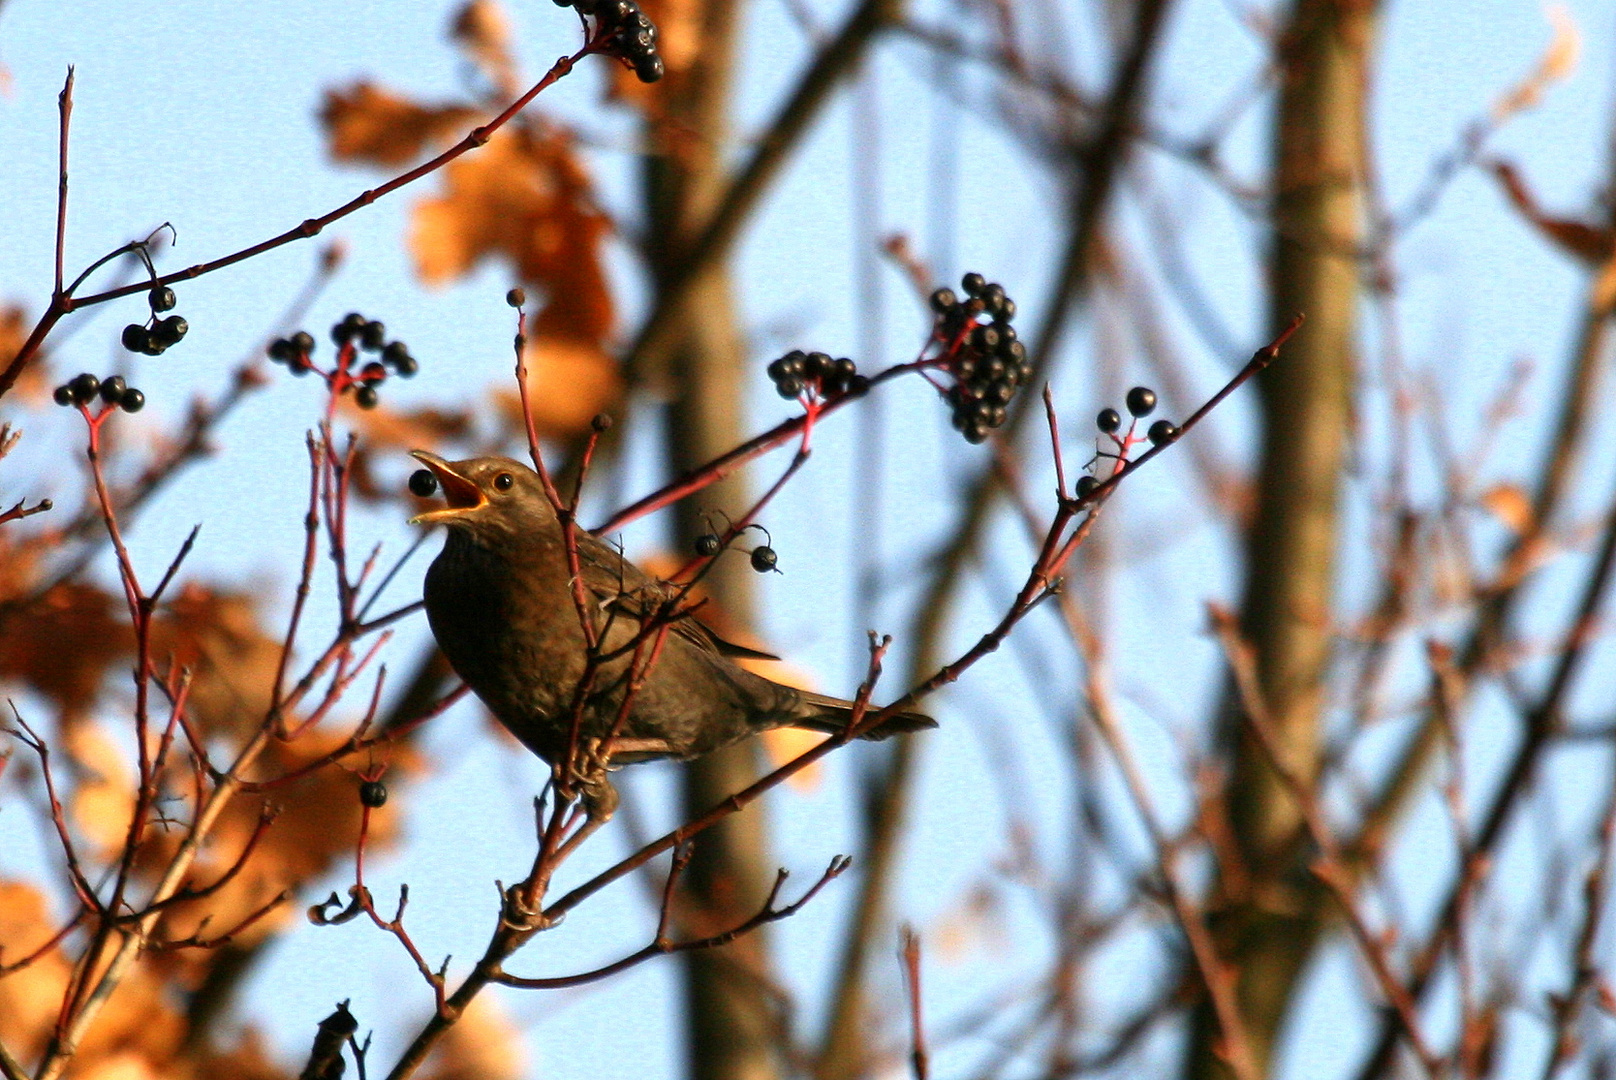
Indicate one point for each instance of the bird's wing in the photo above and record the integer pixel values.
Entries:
(618, 585)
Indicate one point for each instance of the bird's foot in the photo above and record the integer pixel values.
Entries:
(591, 775)
(516, 914)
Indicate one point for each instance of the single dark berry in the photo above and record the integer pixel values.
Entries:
(394, 351)
(976, 432)
(354, 321)
(1108, 421)
(84, 388)
(161, 298)
(1006, 312)
(423, 483)
(993, 298)
(819, 364)
(112, 389)
(764, 558)
(858, 384)
(365, 397)
(708, 545)
(985, 338)
(63, 395)
(1000, 393)
(372, 336)
(132, 400)
(373, 793)
(943, 299)
(600, 422)
(280, 350)
(134, 337)
(1162, 431)
(373, 372)
(790, 386)
(1017, 352)
(299, 366)
(1085, 485)
(406, 366)
(170, 330)
(516, 297)
(1007, 334)
(1141, 401)
(973, 284)
(303, 342)
(649, 68)
(612, 12)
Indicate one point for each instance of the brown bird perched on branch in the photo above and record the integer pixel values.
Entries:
(501, 604)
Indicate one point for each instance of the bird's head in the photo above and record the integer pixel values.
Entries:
(487, 496)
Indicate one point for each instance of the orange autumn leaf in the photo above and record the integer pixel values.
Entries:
(569, 381)
(74, 634)
(524, 198)
(1510, 504)
(483, 31)
(367, 124)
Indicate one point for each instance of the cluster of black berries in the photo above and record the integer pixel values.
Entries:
(815, 372)
(628, 30)
(85, 388)
(1141, 402)
(986, 358)
(155, 335)
(353, 334)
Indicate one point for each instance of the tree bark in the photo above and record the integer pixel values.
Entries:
(1268, 930)
(729, 1020)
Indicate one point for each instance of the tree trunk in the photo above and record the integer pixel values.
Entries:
(1268, 930)
(729, 1018)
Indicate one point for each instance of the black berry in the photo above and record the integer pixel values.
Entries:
(1162, 431)
(112, 389)
(134, 337)
(373, 793)
(83, 388)
(365, 397)
(1085, 485)
(707, 545)
(373, 372)
(764, 559)
(132, 400)
(942, 300)
(516, 298)
(161, 298)
(372, 336)
(280, 350)
(406, 366)
(423, 483)
(973, 284)
(169, 331)
(1109, 420)
(1141, 401)
(63, 395)
(303, 342)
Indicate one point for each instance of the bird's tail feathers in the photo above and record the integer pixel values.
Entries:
(833, 720)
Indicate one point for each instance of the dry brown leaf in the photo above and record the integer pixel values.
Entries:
(526, 198)
(216, 635)
(65, 644)
(32, 386)
(367, 124)
(569, 381)
(482, 1045)
(1510, 505)
(1558, 62)
(483, 31)
(1589, 243)
(103, 797)
(30, 998)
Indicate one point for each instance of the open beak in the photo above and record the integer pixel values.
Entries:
(461, 495)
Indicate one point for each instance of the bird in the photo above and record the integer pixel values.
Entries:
(500, 601)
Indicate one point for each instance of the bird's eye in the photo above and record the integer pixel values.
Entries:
(504, 481)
